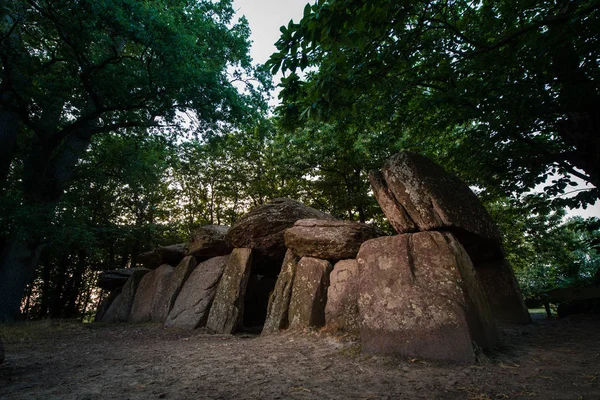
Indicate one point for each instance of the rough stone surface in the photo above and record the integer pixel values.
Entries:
(262, 229)
(328, 239)
(180, 274)
(114, 279)
(418, 195)
(309, 293)
(171, 255)
(121, 307)
(209, 241)
(279, 301)
(227, 311)
(341, 311)
(1, 352)
(193, 303)
(500, 285)
(105, 304)
(419, 296)
(151, 295)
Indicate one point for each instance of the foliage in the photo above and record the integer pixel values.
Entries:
(546, 251)
(503, 92)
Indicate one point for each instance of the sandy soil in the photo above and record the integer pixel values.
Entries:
(557, 359)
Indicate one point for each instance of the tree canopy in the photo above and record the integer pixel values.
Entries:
(127, 124)
(504, 92)
(74, 70)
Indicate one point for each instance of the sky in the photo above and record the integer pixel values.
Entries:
(266, 16)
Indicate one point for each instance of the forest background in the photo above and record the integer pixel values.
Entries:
(141, 122)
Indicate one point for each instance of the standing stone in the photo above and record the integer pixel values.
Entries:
(121, 307)
(262, 230)
(499, 282)
(419, 296)
(162, 304)
(227, 311)
(328, 239)
(341, 311)
(209, 241)
(191, 307)
(279, 301)
(151, 291)
(309, 293)
(105, 304)
(416, 194)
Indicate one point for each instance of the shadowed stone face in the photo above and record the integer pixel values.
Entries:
(419, 296)
(227, 311)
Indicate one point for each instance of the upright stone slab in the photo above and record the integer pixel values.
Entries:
(328, 239)
(418, 195)
(193, 304)
(106, 303)
(227, 311)
(341, 311)
(165, 296)
(150, 294)
(499, 282)
(419, 296)
(121, 307)
(279, 302)
(309, 293)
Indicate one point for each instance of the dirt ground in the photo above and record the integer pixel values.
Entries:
(555, 359)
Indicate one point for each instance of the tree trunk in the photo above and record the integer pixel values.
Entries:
(47, 174)
(17, 263)
(9, 127)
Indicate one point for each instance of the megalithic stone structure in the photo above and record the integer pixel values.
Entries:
(419, 296)
(417, 195)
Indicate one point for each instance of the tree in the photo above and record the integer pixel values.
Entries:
(504, 92)
(75, 70)
(546, 251)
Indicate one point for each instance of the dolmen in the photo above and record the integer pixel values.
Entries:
(435, 290)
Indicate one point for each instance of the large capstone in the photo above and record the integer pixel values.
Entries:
(171, 255)
(262, 230)
(208, 241)
(416, 194)
(227, 311)
(419, 296)
(309, 293)
(114, 279)
(328, 239)
(193, 303)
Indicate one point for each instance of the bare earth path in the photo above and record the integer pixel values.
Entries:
(548, 360)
